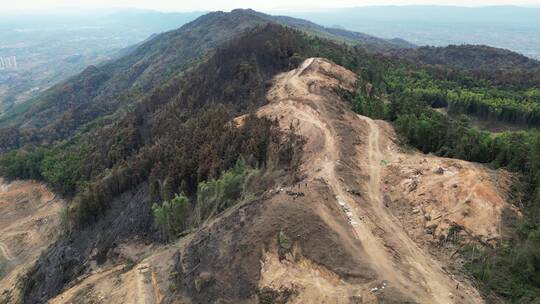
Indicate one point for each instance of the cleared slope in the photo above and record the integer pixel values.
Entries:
(397, 261)
(29, 223)
(437, 193)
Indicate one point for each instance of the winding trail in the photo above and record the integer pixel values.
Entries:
(5, 252)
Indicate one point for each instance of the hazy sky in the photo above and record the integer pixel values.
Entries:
(190, 5)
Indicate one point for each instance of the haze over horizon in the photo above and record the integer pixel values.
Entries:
(213, 5)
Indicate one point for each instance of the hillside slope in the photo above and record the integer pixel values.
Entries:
(101, 90)
(331, 236)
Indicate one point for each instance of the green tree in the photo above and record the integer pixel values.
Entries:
(217, 195)
(172, 217)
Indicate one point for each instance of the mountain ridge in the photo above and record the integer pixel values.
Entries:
(116, 83)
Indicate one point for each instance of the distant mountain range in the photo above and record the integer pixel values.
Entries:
(511, 27)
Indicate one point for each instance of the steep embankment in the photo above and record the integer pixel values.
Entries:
(334, 235)
(29, 223)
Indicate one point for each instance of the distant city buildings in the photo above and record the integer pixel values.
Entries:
(8, 63)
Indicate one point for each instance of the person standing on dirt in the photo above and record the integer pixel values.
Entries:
(386, 197)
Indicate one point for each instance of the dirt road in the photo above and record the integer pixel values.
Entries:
(419, 271)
